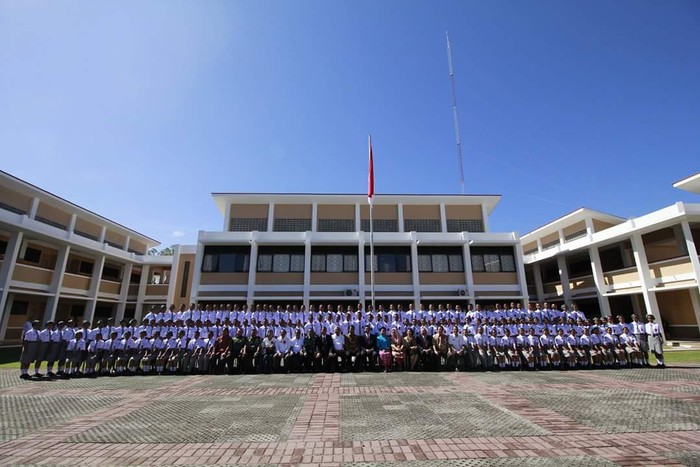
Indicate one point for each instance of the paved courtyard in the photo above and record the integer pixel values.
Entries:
(626, 417)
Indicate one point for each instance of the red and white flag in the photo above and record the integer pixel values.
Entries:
(370, 177)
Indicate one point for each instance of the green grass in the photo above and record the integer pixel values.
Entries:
(9, 358)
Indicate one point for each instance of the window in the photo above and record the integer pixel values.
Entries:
(111, 273)
(381, 225)
(465, 225)
(281, 259)
(389, 259)
(226, 258)
(421, 225)
(336, 225)
(3, 248)
(85, 268)
(334, 259)
(440, 259)
(32, 255)
(135, 278)
(493, 259)
(292, 225)
(248, 224)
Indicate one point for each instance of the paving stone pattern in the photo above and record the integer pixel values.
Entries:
(630, 417)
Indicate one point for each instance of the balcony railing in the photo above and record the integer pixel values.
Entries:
(46, 221)
(7, 207)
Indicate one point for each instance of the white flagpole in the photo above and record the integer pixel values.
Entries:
(371, 233)
(371, 250)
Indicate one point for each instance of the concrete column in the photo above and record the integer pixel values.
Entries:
(174, 272)
(564, 275)
(468, 273)
(539, 287)
(358, 218)
(94, 289)
(143, 285)
(485, 216)
(599, 280)
(270, 217)
(443, 218)
(314, 218)
(227, 218)
(124, 291)
(640, 259)
(400, 216)
(539, 245)
(103, 234)
(361, 267)
(14, 244)
(127, 240)
(33, 208)
(692, 251)
(7, 308)
(71, 225)
(307, 269)
(252, 268)
(56, 281)
(520, 265)
(589, 226)
(197, 272)
(415, 275)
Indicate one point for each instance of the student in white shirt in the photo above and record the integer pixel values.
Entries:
(30, 343)
(656, 340)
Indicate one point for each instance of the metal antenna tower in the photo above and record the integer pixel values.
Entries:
(455, 116)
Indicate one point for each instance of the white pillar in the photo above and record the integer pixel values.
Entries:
(56, 282)
(174, 272)
(94, 288)
(640, 258)
(589, 226)
(33, 208)
(539, 245)
(415, 275)
(14, 244)
(358, 218)
(270, 217)
(127, 240)
(361, 267)
(539, 287)
(443, 218)
(520, 265)
(314, 217)
(124, 291)
(399, 212)
(252, 268)
(307, 269)
(143, 286)
(468, 273)
(103, 234)
(485, 216)
(695, 261)
(71, 225)
(197, 272)
(599, 280)
(564, 276)
(227, 218)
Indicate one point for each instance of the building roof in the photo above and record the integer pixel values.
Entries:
(32, 190)
(222, 199)
(691, 184)
(571, 218)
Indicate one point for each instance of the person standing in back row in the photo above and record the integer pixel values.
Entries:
(656, 340)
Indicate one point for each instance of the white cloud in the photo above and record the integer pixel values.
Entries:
(178, 233)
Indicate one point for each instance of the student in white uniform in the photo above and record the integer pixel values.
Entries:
(30, 342)
(656, 340)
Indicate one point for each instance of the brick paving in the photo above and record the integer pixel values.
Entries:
(636, 417)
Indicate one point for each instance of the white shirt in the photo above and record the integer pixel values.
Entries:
(338, 342)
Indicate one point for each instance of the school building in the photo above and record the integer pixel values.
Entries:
(59, 260)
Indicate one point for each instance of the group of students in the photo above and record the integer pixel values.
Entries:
(266, 339)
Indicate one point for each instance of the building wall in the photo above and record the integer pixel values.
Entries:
(677, 313)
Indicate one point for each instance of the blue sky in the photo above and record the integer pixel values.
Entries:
(139, 110)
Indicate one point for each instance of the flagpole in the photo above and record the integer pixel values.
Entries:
(371, 250)
(370, 198)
